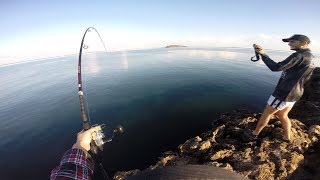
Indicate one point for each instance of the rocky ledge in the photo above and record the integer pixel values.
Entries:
(268, 156)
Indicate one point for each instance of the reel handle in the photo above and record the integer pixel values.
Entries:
(119, 130)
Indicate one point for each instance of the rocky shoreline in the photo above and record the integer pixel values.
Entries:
(268, 157)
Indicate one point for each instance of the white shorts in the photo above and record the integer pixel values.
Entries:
(278, 104)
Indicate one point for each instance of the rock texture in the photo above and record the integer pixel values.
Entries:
(268, 156)
(307, 110)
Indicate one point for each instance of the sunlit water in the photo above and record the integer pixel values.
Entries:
(162, 97)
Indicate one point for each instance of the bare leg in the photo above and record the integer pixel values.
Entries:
(264, 119)
(285, 122)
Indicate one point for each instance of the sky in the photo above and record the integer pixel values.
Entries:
(33, 29)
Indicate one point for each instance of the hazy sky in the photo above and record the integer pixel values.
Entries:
(35, 29)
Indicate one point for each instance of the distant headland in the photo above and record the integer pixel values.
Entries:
(174, 46)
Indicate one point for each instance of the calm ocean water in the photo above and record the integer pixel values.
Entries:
(162, 97)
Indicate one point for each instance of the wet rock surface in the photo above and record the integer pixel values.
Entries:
(268, 156)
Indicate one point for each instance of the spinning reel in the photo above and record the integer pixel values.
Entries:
(98, 136)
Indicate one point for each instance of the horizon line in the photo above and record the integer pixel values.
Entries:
(128, 50)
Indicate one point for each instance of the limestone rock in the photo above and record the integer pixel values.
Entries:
(123, 174)
(314, 132)
(268, 157)
(222, 165)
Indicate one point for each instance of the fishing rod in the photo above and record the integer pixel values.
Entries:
(86, 123)
(98, 137)
(257, 56)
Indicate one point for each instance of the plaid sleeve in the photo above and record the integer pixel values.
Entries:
(74, 165)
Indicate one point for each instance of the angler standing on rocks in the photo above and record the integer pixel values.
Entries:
(296, 70)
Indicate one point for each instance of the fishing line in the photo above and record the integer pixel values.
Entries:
(87, 98)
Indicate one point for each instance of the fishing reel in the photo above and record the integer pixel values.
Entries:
(98, 137)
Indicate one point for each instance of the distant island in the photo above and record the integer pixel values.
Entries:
(174, 46)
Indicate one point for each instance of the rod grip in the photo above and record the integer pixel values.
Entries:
(86, 124)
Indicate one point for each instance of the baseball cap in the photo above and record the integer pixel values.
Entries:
(297, 37)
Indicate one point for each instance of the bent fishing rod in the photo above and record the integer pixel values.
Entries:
(98, 137)
(86, 123)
